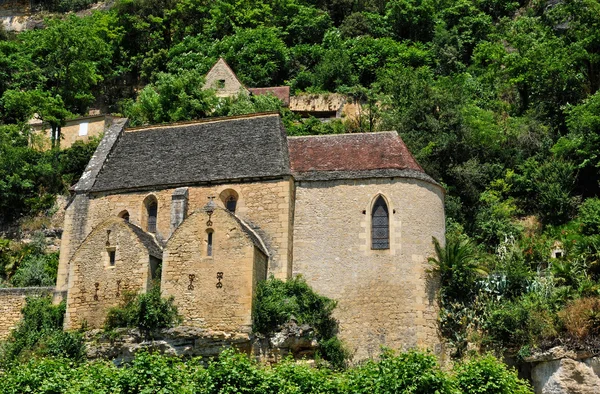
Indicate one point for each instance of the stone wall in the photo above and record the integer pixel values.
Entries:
(223, 80)
(11, 303)
(384, 296)
(213, 287)
(95, 285)
(266, 206)
(81, 129)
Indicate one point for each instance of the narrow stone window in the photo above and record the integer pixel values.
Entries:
(112, 254)
(221, 84)
(380, 225)
(209, 244)
(231, 203)
(151, 207)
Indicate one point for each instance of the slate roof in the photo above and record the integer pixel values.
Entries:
(251, 146)
(281, 92)
(352, 156)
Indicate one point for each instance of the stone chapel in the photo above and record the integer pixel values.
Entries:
(212, 207)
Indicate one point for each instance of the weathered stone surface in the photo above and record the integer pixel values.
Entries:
(560, 370)
(570, 377)
(122, 345)
(211, 267)
(385, 297)
(12, 300)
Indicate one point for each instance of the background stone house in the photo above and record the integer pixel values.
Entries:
(223, 203)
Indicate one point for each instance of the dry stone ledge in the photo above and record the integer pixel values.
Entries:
(122, 344)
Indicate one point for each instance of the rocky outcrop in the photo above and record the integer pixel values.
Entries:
(561, 371)
(121, 345)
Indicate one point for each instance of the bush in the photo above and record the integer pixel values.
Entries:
(525, 321)
(581, 317)
(40, 332)
(488, 375)
(147, 312)
(589, 215)
(277, 302)
(411, 372)
(36, 270)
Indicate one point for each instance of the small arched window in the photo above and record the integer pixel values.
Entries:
(231, 203)
(229, 197)
(124, 215)
(151, 207)
(380, 225)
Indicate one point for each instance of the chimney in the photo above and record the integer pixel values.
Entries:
(179, 204)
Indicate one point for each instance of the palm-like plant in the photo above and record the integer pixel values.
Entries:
(456, 263)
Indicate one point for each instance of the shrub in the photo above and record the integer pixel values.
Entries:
(36, 270)
(580, 318)
(277, 302)
(488, 375)
(148, 312)
(589, 215)
(40, 332)
(520, 322)
(411, 372)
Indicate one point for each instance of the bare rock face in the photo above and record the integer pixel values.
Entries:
(565, 372)
(122, 344)
(572, 377)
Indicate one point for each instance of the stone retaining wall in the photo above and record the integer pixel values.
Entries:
(12, 300)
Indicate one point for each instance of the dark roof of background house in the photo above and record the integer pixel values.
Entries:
(281, 92)
(251, 146)
(352, 156)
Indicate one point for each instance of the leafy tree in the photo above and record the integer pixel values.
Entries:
(72, 56)
(259, 55)
(171, 98)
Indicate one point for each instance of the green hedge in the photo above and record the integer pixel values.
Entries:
(412, 372)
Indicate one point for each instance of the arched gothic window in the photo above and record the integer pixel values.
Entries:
(380, 225)
(151, 206)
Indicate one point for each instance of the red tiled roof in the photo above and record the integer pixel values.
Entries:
(350, 152)
(281, 92)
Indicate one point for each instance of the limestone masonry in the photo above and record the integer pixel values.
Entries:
(210, 208)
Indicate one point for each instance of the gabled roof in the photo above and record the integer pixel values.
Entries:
(281, 92)
(221, 64)
(147, 240)
(252, 146)
(352, 156)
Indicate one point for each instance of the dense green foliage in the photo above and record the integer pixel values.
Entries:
(147, 312)
(277, 302)
(25, 265)
(411, 372)
(30, 178)
(40, 333)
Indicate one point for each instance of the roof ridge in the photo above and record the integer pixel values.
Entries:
(343, 134)
(203, 121)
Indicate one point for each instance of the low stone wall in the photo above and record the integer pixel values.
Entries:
(12, 300)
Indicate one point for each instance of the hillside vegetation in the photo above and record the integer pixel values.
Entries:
(497, 99)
